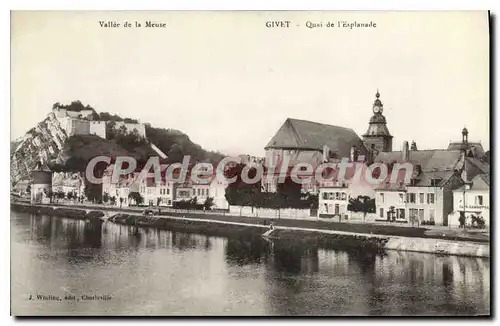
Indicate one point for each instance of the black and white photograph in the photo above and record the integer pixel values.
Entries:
(250, 163)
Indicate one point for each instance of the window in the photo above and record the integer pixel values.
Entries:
(421, 195)
(330, 195)
(325, 196)
(194, 192)
(400, 213)
(382, 198)
(479, 200)
(431, 214)
(411, 198)
(168, 191)
(435, 182)
(401, 198)
(337, 195)
(381, 212)
(430, 198)
(344, 196)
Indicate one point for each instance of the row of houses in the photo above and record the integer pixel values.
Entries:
(444, 187)
(164, 193)
(441, 181)
(445, 184)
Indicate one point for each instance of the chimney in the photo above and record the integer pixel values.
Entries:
(326, 153)
(354, 154)
(417, 171)
(406, 152)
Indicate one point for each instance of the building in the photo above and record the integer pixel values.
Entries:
(22, 187)
(302, 141)
(157, 193)
(378, 137)
(67, 182)
(41, 184)
(140, 128)
(476, 196)
(335, 193)
(333, 202)
(428, 197)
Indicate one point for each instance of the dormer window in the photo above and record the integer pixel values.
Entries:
(436, 182)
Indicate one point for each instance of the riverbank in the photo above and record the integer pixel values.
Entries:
(78, 214)
(324, 234)
(230, 229)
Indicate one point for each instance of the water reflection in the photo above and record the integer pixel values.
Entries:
(150, 271)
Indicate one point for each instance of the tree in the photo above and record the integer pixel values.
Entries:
(175, 154)
(93, 192)
(69, 195)
(60, 194)
(136, 197)
(239, 192)
(477, 221)
(290, 191)
(113, 200)
(105, 198)
(363, 204)
(209, 202)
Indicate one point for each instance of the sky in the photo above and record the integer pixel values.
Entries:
(229, 82)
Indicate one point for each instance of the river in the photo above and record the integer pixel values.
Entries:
(152, 272)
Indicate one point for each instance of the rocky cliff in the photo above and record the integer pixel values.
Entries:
(63, 141)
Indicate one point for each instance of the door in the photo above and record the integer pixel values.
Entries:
(337, 209)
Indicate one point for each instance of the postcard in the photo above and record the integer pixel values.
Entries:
(250, 163)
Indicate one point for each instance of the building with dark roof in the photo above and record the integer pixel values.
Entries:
(427, 197)
(302, 141)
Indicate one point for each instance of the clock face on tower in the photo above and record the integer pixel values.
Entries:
(376, 109)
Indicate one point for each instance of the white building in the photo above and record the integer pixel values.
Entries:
(476, 195)
(130, 127)
(333, 202)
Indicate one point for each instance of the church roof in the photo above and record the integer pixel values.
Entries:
(303, 134)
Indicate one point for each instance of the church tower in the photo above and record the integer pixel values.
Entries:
(377, 137)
